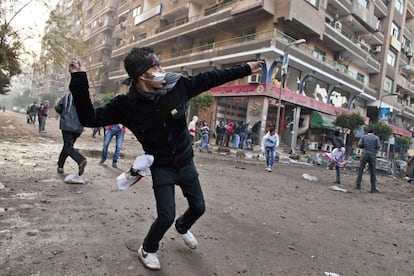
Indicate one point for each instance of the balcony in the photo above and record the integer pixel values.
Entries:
(104, 45)
(340, 7)
(371, 90)
(410, 9)
(109, 8)
(120, 30)
(177, 9)
(366, 18)
(106, 25)
(123, 8)
(380, 9)
(262, 40)
(222, 14)
(222, 48)
(405, 84)
(118, 74)
(359, 52)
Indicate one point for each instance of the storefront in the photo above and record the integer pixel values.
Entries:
(257, 103)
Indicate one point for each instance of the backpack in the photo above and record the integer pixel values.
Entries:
(69, 120)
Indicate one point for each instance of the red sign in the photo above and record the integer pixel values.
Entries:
(400, 131)
(272, 91)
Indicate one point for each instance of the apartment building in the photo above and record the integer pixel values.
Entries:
(357, 56)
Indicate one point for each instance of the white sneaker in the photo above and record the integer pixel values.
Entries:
(269, 169)
(189, 239)
(149, 260)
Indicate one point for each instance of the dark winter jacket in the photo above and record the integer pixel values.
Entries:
(160, 124)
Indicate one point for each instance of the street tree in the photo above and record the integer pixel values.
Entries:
(60, 38)
(351, 122)
(382, 130)
(201, 103)
(11, 40)
(10, 49)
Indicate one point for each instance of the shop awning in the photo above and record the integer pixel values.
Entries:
(400, 131)
(322, 120)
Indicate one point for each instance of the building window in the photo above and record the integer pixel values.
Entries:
(363, 3)
(136, 11)
(360, 77)
(391, 57)
(319, 54)
(395, 30)
(388, 84)
(399, 6)
(314, 3)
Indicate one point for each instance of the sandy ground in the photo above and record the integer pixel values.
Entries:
(256, 223)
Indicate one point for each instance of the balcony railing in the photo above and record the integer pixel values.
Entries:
(365, 17)
(267, 37)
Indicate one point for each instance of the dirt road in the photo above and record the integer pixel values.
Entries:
(256, 222)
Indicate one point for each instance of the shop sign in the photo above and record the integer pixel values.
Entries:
(273, 91)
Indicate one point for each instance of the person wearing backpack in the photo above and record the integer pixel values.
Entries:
(71, 130)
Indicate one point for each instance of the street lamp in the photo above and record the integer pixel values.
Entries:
(283, 71)
(383, 96)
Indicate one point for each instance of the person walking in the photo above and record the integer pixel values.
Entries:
(269, 142)
(228, 134)
(117, 130)
(43, 113)
(71, 130)
(97, 130)
(249, 139)
(192, 128)
(243, 134)
(236, 135)
(155, 111)
(205, 136)
(338, 155)
(33, 111)
(220, 131)
(370, 144)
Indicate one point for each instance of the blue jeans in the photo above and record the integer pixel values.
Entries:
(270, 156)
(236, 141)
(249, 143)
(119, 141)
(164, 179)
(338, 173)
(204, 145)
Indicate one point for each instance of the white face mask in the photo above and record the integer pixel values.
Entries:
(158, 76)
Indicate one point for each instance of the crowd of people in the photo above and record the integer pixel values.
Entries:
(155, 111)
(236, 136)
(39, 112)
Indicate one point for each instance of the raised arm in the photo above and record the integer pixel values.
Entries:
(88, 115)
(207, 80)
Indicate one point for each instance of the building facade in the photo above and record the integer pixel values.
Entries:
(357, 57)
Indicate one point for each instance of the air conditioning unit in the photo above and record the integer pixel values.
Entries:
(409, 54)
(376, 49)
(338, 25)
(123, 24)
(255, 78)
(313, 146)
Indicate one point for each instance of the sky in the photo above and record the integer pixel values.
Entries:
(30, 22)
